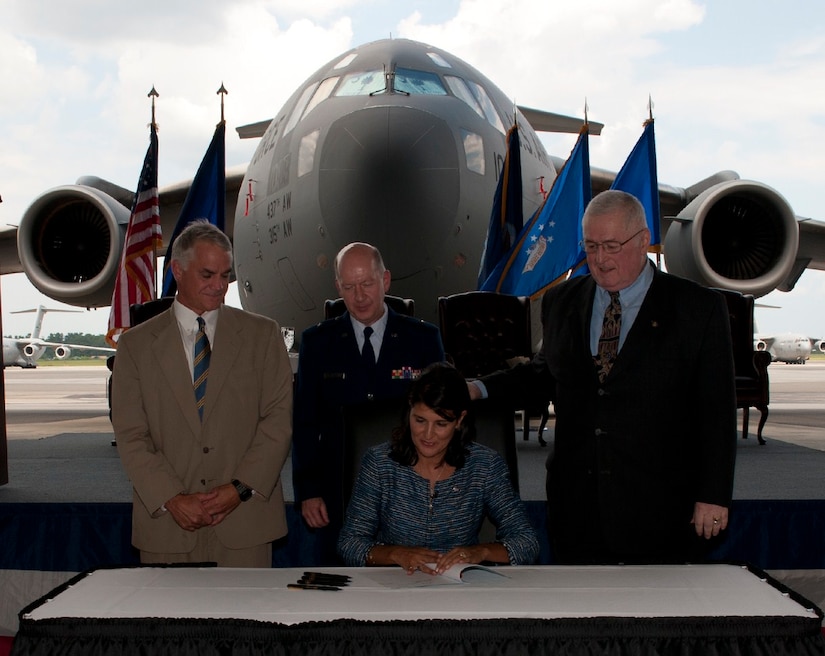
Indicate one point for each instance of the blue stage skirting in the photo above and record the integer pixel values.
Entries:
(74, 537)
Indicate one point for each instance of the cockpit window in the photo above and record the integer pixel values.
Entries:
(438, 60)
(462, 92)
(346, 61)
(473, 151)
(322, 93)
(486, 106)
(407, 80)
(418, 83)
(361, 84)
(298, 110)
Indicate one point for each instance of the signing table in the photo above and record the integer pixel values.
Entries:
(719, 609)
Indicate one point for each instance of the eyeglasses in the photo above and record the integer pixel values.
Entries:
(611, 246)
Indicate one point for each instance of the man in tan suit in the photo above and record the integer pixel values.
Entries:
(205, 489)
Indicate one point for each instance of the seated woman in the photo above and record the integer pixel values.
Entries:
(420, 498)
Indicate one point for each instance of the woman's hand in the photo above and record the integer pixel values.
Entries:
(410, 558)
(460, 555)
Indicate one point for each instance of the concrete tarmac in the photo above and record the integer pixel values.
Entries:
(59, 439)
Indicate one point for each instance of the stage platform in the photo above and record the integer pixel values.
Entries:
(67, 507)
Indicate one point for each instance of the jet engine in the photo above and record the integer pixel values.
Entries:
(739, 235)
(30, 350)
(759, 345)
(62, 352)
(818, 345)
(70, 242)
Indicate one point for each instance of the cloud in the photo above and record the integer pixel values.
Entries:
(76, 77)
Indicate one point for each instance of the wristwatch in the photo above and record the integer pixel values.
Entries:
(244, 492)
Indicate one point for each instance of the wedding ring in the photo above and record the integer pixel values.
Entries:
(715, 521)
(462, 554)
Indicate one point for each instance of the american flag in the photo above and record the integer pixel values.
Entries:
(135, 281)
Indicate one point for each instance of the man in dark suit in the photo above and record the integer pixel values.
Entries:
(337, 366)
(206, 488)
(643, 389)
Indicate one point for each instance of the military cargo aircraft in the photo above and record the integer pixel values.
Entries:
(397, 143)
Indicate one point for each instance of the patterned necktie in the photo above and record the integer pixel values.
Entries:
(367, 352)
(609, 339)
(201, 365)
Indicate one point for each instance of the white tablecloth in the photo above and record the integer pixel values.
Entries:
(390, 594)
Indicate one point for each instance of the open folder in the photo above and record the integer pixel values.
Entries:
(470, 573)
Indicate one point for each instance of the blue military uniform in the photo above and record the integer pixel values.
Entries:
(331, 375)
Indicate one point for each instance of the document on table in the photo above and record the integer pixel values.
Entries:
(457, 575)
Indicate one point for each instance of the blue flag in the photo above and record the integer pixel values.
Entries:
(507, 217)
(638, 177)
(548, 247)
(206, 199)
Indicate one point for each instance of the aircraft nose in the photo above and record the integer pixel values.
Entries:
(391, 173)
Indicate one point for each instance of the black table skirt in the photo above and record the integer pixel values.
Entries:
(615, 636)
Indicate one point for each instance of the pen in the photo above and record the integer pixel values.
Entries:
(324, 579)
(335, 584)
(307, 586)
(325, 575)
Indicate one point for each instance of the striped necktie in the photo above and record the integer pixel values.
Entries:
(609, 340)
(201, 365)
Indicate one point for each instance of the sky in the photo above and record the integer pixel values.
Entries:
(735, 84)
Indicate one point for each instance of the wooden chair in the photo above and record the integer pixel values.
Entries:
(335, 307)
(485, 332)
(750, 365)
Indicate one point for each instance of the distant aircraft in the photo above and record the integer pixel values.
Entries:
(399, 144)
(793, 348)
(26, 351)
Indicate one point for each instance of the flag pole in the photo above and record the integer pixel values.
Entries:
(154, 126)
(644, 125)
(153, 94)
(222, 92)
(206, 196)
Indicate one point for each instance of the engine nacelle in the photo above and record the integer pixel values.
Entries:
(818, 345)
(739, 235)
(30, 350)
(70, 242)
(759, 345)
(62, 352)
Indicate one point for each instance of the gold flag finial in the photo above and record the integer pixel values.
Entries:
(222, 92)
(153, 94)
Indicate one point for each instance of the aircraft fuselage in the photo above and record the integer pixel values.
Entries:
(395, 143)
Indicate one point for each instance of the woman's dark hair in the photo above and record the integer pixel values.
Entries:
(443, 389)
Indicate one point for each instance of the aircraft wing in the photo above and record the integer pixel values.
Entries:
(63, 351)
(70, 239)
(765, 228)
(544, 121)
(9, 259)
(94, 214)
(78, 347)
(171, 198)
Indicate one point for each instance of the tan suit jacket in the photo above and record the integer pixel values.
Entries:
(245, 433)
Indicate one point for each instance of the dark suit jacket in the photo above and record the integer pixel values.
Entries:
(330, 376)
(245, 433)
(633, 454)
